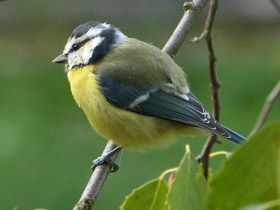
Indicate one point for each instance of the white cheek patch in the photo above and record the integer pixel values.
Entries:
(83, 55)
(88, 48)
(93, 32)
(68, 45)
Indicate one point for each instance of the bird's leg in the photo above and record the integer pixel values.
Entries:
(106, 159)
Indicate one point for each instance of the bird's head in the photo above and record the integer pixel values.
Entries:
(88, 43)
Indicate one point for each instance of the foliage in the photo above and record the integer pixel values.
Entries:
(151, 195)
(249, 179)
(46, 142)
(188, 184)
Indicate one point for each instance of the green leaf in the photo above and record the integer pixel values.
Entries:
(264, 206)
(254, 207)
(251, 175)
(188, 189)
(40, 209)
(150, 196)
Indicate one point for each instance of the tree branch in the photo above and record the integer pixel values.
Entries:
(214, 83)
(99, 176)
(96, 181)
(276, 4)
(192, 10)
(209, 23)
(266, 108)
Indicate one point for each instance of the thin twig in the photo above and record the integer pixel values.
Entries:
(266, 107)
(209, 24)
(192, 10)
(276, 4)
(214, 84)
(96, 182)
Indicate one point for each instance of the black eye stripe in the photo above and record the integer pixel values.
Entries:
(78, 45)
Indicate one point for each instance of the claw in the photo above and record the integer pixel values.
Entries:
(106, 159)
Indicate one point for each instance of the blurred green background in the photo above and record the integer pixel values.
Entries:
(46, 143)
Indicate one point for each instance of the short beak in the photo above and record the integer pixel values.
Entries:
(60, 59)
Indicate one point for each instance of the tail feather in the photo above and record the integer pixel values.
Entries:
(235, 137)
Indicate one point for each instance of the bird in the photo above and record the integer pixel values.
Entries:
(132, 92)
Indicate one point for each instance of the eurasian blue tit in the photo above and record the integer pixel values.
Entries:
(131, 91)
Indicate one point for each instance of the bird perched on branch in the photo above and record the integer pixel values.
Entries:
(131, 91)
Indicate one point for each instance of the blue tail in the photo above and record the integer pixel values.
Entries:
(235, 137)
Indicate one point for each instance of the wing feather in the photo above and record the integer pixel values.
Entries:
(158, 103)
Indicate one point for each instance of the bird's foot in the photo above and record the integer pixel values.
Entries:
(106, 159)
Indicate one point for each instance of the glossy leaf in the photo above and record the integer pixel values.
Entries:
(150, 196)
(251, 175)
(188, 189)
(254, 207)
(265, 206)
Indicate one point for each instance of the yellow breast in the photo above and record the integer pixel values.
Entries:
(125, 128)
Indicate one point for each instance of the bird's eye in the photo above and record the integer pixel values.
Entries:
(75, 46)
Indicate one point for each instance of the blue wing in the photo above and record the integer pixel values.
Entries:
(157, 102)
